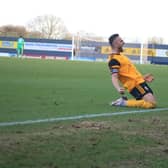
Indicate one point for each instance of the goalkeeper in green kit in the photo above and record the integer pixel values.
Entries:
(20, 46)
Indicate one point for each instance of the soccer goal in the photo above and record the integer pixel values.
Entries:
(87, 49)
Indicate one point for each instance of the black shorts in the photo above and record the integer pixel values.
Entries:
(140, 91)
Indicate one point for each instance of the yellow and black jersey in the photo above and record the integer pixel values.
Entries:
(128, 75)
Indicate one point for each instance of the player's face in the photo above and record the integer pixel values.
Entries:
(119, 43)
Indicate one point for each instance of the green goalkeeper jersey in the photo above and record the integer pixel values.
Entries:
(20, 43)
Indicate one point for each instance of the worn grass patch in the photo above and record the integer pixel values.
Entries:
(128, 142)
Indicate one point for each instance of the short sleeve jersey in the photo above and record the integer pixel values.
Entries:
(128, 75)
(20, 43)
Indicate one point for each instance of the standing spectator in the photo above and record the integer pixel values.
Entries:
(20, 46)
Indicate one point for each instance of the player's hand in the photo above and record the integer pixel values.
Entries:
(148, 77)
(121, 90)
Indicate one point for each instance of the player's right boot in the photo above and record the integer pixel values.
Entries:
(119, 102)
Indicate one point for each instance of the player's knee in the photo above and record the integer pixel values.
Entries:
(150, 98)
(149, 105)
(153, 103)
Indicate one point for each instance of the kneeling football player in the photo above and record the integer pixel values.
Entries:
(125, 73)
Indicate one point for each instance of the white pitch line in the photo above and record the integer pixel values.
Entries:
(78, 117)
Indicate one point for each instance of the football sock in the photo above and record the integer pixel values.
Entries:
(140, 103)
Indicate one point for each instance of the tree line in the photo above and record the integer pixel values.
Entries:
(47, 26)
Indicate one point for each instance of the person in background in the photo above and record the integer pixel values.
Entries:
(20, 46)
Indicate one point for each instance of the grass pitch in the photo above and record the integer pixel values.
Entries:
(39, 89)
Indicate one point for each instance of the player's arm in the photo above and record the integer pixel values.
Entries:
(114, 67)
(116, 84)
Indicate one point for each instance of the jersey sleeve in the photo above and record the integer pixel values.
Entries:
(114, 66)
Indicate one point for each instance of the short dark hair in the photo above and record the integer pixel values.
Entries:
(112, 38)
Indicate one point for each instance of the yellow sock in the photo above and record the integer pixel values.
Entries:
(140, 103)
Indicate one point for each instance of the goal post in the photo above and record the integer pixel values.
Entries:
(144, 52)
